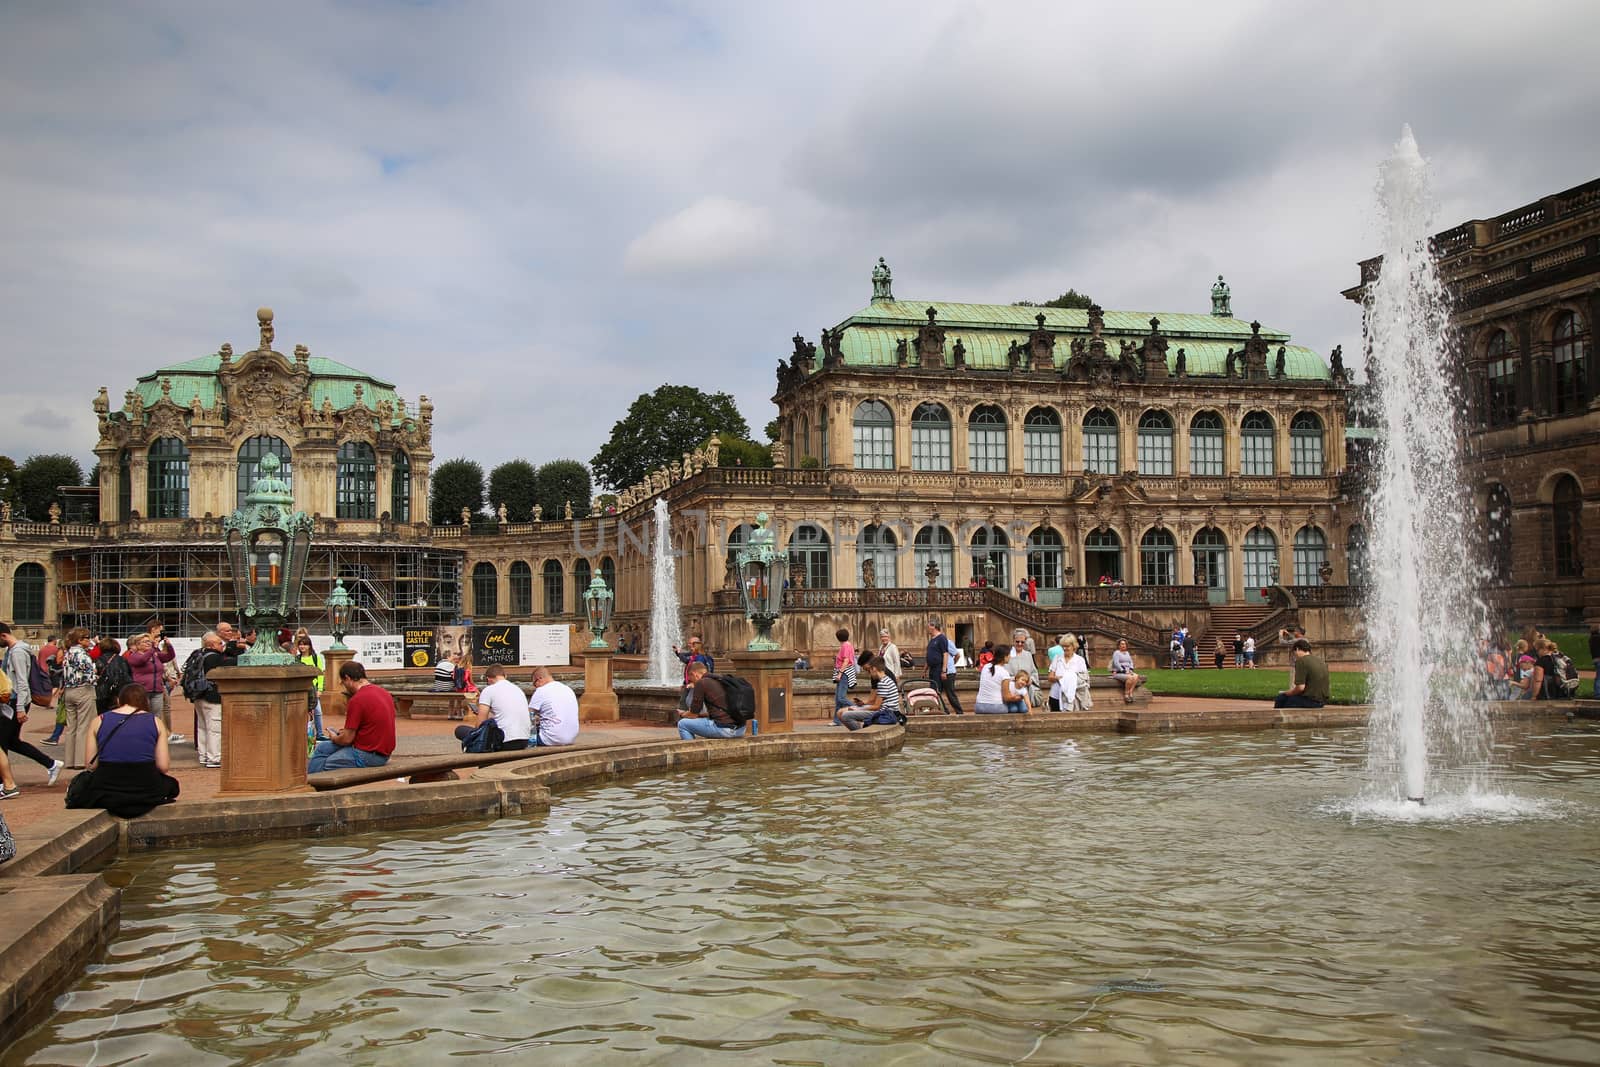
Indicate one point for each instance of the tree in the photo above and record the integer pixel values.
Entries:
(457, 484)
(513, 484)
(659, 428)
(739, 452)
(771, 431)
(1069, 299)
(37, 481)
(562, 480)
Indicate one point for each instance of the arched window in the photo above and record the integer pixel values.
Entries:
(27, 594)
(805, 440)
(822, 437)
(930, 437)
(485, 590)
(582, 575)
(1158, 558)
(986, 441)
(1567, 352)
(521, 584)
(1355, 554)
(991, 545)
(876, 545)
(1566, 523)
(608, 573)
(124, 488)
(1256, 458)
(250, 454)
(1500, 381)
(167, 493)
(1046, 558)
(1041, 442)
(1305, 446)
(1310, 555)
(1205, 445)
(1102, 557)
(357, 486)
(400, 488)
(1498, 531)
(554, 588)
(1260, 558)
(933, 544)
(1100, 442)
(873, 434)
(1155, 443)
(1210, 548)
(810, 558)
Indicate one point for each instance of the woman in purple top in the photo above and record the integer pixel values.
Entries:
(128, 759)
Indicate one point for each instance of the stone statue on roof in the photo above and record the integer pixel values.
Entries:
(102, 402)
(1336, 361)
(1221, 299)
(882, 281)
(264, 318)
(538, 513)
(500, 513)
(1183, 364)
(1277, 368)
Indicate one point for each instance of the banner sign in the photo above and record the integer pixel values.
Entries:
(419, 644)
(546, 646)
(496, 644)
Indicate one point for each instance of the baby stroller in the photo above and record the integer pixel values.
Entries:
(925, 701)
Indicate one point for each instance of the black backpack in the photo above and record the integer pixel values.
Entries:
(741, 698)
(38, 677)
(1565, 683)
(114, 674)
(193, 679)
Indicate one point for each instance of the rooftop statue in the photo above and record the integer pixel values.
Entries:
(882, 281)
(1221, 299)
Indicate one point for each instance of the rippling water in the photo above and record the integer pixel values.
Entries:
(1110, 901)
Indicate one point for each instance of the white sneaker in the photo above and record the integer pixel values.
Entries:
(177, 739)
(55, 772)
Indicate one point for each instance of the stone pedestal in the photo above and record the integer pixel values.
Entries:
(599, 700)
(263, 727)
(771, 675)
(333, 698)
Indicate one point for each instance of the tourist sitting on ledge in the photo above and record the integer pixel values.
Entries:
(706, 717)
(367, 739)
(504, 722)
(1310, 689)
(996, 694)
(554, 709)
(1122, 670)
(128, 759)
(882, 708)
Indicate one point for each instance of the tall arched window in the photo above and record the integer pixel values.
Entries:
(873, 434)
(1305, 446)
(582, 575)
(1498, 530)
(822, 437)
(400, 488)
(555, 588)
(357, 485)
(1046, 558)
(608, 573)
(1260, 558)
(1158, 558)
(1566, 523)
(1567, 351)
(930, 437)
(520, 581)
(250, 454)
(805, 440)
(986, 440)
(876, 545)
(1256, 454)
(1310, 555)
(933, 544)
(1500, 380)
(1355, 554)
(991, 545)
(1102, 557)
(1205, 445)
(1210, 548)
(124, 488)
(810, 557)
(485, 590)
(27, 594)
(1100, 442)
(1041, 442)
(167, 490)
(1155, 443)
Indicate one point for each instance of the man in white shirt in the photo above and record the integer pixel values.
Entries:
(501, 701)
(555, 710)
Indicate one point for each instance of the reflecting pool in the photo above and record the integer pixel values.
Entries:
(1109, 900)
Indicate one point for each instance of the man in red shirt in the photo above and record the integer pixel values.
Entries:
(367, 739)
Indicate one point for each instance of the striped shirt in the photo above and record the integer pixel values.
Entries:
(444, 677)
(889, 691)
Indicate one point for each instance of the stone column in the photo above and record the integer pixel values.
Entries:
(1530, 395)
(847, 569)
(264, 727)
(599, 700)
(333, 698)
(771, 675)
(139, 479)
(384, 486)
(1592, 355)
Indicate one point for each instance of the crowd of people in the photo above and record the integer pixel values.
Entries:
(1534, 668)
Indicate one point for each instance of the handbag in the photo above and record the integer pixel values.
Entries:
(484, 738)
(8, 844)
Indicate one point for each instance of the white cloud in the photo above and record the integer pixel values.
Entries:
(714, 233)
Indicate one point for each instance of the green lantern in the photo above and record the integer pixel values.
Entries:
(761, 570)
(339, 605)
(268, 547)
(597, 605)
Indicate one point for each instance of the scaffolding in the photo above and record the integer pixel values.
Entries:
(117, 589)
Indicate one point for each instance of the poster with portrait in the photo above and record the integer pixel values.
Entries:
(456, 640)
(496, 644)
(420, 646)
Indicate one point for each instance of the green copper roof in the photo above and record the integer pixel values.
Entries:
(914, 313)
(330, 380)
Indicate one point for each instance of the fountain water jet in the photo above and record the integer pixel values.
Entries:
(664, 666)
(1423, 613)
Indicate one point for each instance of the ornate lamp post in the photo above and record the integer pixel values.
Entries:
(597, 605)
(339, 604)
(761, 570)
(268, 545)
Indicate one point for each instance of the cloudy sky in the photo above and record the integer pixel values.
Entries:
(533, 212)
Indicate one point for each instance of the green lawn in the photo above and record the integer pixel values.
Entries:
(1575, 643)
(1348, 687)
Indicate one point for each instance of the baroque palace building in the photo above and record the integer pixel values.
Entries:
(1143, 469)
(1525, 291)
